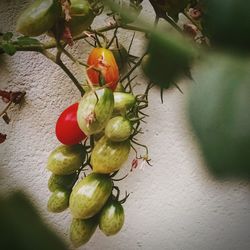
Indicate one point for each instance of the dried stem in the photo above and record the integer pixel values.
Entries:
(4, 111)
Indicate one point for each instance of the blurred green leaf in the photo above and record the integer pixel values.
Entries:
(219, 113)
(7, 36)
(169, 58)
(21, 227)
(8, 48)
(227, 23)
(25, 40)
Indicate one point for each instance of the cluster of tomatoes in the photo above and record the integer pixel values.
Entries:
(95, 132)
(100, 115)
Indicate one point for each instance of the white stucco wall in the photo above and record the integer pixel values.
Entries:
(174, 205)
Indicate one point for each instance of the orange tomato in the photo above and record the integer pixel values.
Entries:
(103, 59)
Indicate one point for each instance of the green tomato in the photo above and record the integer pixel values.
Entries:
(82, 230)
(95, 110)
(81, 16)
(111, 218)
(66, 160)
(123, 101)
(118, 129)
(39, 17)
(89, 195)
(61, 182)
(58, 201)
(108, 156)
(133, 10)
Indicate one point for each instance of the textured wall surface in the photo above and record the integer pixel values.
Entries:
(174, 205)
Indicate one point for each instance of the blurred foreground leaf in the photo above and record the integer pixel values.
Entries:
(21, 227)
(227, 23)
(170, 58)
(219, 113)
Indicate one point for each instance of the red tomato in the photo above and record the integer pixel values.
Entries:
(104, 60)
(67, 129)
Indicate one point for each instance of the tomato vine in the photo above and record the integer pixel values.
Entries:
(101, 128)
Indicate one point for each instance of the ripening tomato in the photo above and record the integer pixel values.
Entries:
(67, 129)
(104, 60)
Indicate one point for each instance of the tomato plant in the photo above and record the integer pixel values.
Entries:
(108, 156)
(111, 217)
(39, 17)
(89, 195)
(106, 68)
(66, 160)
(82, 230)
(67, 129)
(82, 16)
(100, 129)
(95, 110)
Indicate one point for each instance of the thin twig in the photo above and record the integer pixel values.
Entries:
(132, 69)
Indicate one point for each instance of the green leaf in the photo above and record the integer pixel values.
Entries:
(22, 228)
(25, 40)
(219, 113)
(7, 36)
(169, 59)
(8, 48)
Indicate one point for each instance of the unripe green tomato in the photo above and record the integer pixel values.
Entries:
(81, 16)
(123, 101)
(65, 160)
(58, 201)
(144, 62)
(82, 230)
(39, 17)
(121, 56)
(132, 9)
(118, 129)
(89, 195)
(111, 218)
(108, 156)
(61, 182)
(95, 110)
